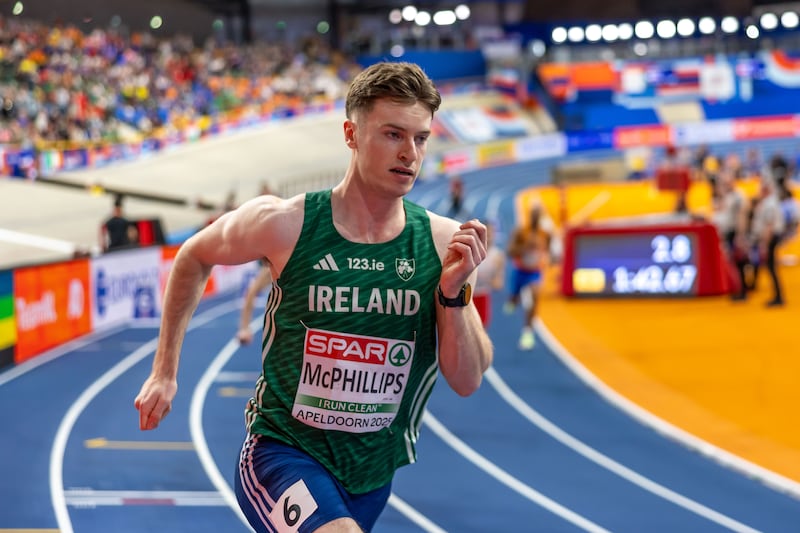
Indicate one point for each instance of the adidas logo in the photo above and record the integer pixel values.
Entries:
(327, 263)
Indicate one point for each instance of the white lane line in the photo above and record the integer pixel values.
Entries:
(412, 514)
(507, 479)
(206, 459)
(73, 413)
(37, 241)
(237, 377)
(88, 498)
(198, 433)
(606, 462)
(720, 456)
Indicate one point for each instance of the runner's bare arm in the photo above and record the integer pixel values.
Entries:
(262, 227)
(465, 350)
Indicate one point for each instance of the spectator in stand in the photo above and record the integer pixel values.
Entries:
(753, 164)
(101, 86)
(117, 231)
(778, 172)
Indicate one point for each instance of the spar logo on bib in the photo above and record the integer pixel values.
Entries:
(346, 347)
(352, 383)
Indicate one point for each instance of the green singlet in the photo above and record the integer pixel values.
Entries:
(349, 351)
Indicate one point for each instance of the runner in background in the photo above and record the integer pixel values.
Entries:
(528, 250)
(261, 281)
(491, 276)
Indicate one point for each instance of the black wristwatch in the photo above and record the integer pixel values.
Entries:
(461, 300)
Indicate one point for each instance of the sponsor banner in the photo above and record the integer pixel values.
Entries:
(590, 140)
(460, 160)
(21, 163)
(51, 306)
(49, 162)
(8, 326)
(126, 285)
(101, 155)
(715, 131)
(496, 153)
(168, 254)
(631, 137)
(74, 159)
(232, 277)
(541, 147)
(766, 127)
(717, 81)
(150, 145)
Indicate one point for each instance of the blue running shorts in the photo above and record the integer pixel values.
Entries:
(281, 490)
(523, 278)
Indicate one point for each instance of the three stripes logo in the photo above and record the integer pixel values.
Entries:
(327, 263)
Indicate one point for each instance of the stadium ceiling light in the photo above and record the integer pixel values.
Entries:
(625, 31)
(685, 27)
(445, 17)
(423, 18)
(790, 20)
(594, 33)
(640, 49)
(769, 21)
(665, 29)
(397, 50)
(462, 12)
(610, 32)
(707, 26)
(538, 48)
(729, 24)
(575, 34)
(409, 13)
(559, 34)
(752, 31)
(395, 16)
(644, 29)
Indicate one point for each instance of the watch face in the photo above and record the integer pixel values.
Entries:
(467, 293)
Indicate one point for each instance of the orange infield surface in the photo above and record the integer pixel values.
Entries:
(727, 372)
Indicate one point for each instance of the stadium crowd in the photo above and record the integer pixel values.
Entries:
(63, 87)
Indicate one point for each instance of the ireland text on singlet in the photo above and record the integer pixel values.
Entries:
(349, 347)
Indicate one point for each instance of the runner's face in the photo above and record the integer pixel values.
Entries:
(390, 143)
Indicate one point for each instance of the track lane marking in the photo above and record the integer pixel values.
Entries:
(507, 479)
(88, 498)
(722, 457)
(606, 462)
(64, 430)
(166, 446)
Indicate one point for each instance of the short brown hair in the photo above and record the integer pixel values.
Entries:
(397, 81)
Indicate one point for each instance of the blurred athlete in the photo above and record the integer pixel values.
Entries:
(260, 282)
(491, 276)
(528, 250)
